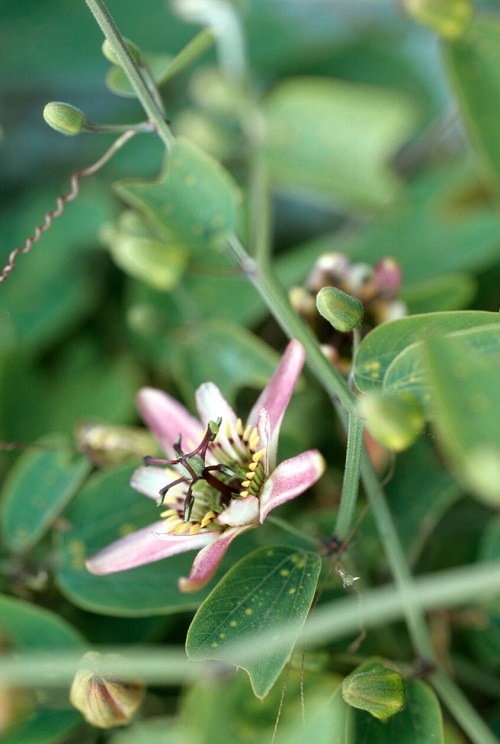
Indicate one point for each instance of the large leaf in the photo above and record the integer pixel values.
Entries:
(226, 352)
(195, 201)
(466, 403)
(37, 489)
(407, 371)
(335, 138)
(384, 343)
(28, 627)
(473, 64)
(271, 586)
(419, 721)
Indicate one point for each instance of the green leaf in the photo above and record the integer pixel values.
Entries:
(271, 586)
(439, 294)
(466, 403)
(407, 371)
(43, 727)
(419, 721)
(335, 139)
(222, 351)
(473, 64)
(385, 342)
(194, 200)
(26, 626)
(37, 489)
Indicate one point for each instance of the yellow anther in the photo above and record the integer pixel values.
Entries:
(182, 527)
(245, 484)
(243, 494)
(168, 513)
(254, 440)
(253, 466)
(209, 516)
(259, 455)
(229, 431)
(246, 433)
(173, 518)
(249, 476)
(239, 427)
(195, 529)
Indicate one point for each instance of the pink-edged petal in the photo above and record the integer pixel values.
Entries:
(278, 391)
(167, 419)
(207, 561)
(212, 405)
(264, 431)
(291, 478)
(241, 512)
(144, 546)
(149, 481)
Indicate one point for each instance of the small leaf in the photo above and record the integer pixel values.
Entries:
(37, 488)
(473, 64)
(194, 200)
(270, 587)
(466, 403)
(118, 83)
(385, 342)
(375, 688)
(394, 419)
(335, 138)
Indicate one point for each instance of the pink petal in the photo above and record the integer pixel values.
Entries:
(207, 561)
(278, 391)
(211, 405)
(167, 419)
(264, 430)
(149, 481)
(291, 478)
(241, 512)
(144, 546)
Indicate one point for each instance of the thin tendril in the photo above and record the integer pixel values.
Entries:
(61, 201)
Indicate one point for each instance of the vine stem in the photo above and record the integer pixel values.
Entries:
(350, 485)
(131, 70)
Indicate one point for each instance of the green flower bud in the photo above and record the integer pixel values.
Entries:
(106, 445)
(103, 702)
(343, 311)
(449, 18)
(375, 688)
(110, 55)
(393, 419)
(64, 118)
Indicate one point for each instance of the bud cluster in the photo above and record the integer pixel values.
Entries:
(367, 293)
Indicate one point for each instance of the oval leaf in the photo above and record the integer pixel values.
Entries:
(384, 343)
(466, 403)
(195, 200)
(271, 586)
(36, 491)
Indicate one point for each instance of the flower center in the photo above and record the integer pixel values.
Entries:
(235, 469)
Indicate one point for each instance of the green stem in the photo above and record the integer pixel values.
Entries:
(273, 295)
(287, 527)
(463, 712)
(201, 43)
(350, 485)
(131, 70)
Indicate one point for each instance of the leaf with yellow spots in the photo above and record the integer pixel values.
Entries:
(271, 587)
(380, 347)
(407, 372)
(194, 201)
(466, 403)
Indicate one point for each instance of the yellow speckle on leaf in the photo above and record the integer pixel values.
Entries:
(284, 572)
(233, 623)
(248, 611)
(222, 635)
(292, 590)
(214, 644)
(126, 529)
(190, 180)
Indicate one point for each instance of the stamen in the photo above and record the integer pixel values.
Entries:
(259, 455)
(246, 433)
(253, 466)
(249, 476)
(239, 427)
(243, 494)
(173, 518)
(169, 513)
(209, 517)
(195, 529)
(182, 527)
(254, 440)
(244, 484)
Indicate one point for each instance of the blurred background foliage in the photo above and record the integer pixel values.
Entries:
(84, 323)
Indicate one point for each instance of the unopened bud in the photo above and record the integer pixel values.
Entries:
(393, 419)
(110, 55)
(449, 18)
(103, 702)
(375, 688)
(343, 311)
(64, 118)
